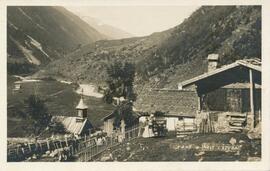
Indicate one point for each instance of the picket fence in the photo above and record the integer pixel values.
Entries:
(89, 150)
(84, 148)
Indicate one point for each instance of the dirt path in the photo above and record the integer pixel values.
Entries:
(89, 90)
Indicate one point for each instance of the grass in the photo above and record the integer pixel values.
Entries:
(60, 99)
(170, 148)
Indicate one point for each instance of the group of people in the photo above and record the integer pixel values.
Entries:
(148, 127)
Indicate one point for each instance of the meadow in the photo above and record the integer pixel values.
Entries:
(60, 99)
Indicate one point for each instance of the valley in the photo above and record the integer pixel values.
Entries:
(82, 90)
(60, 99)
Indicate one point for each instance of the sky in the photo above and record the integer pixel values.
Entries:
(137, 20)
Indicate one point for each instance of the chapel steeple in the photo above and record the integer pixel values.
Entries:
(82, 108)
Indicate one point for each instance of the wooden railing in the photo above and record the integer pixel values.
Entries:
(88, 150)
(84, 148)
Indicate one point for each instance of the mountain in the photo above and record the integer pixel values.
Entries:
(109, 31)
(165, 58)
(38, 35)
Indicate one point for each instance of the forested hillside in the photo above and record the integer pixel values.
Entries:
(165, 58)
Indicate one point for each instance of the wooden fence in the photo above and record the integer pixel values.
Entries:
(84, 148)
(88, 150)
(22, 151)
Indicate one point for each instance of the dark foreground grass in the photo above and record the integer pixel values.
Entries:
(171, 149)
(60, 99)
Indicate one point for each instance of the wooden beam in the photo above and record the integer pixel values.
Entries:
(252, 110)
(199, 103)
(199, 99)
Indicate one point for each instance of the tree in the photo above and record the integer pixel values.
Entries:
(57, 128)
(125, 112)
(36, 114)
(120, 84)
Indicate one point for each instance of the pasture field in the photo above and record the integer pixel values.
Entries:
(60, 99)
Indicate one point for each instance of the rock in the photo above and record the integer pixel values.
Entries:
(128, 147)
(201, 159)
(107, 158)
(47, 152)
(232, 141)
(237, 153)
(54, 153)
(44, 155)
(242, 142)
(200, 153)
(255, 133)
(34, 156)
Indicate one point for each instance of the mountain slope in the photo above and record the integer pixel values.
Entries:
(108, 30)
(165, 58)
(39, 35)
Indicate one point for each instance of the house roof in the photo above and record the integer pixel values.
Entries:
(81, 105)
(111, 115)
(73, 124)
(254, 64)
(171, 102)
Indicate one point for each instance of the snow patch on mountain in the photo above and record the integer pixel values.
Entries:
(38, 46)
(28, 53)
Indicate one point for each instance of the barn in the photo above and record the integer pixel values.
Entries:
(228, 97)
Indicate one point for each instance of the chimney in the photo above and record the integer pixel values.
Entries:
(212, 62)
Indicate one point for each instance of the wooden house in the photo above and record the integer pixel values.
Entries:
(177, 106)
(228, 97)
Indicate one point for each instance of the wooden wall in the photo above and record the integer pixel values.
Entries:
(233, 100)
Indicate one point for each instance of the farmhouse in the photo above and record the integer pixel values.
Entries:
(225, 99)
(229, 97)
(77, 125)
(177, 105)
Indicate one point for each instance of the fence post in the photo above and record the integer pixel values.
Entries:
(66, 141)
(84, 156)
(40, 144)
(97, 148)
(55, 145)
(90, 152)
(22, 150)
(48, 145)
(111, 141)
(29, 145)
(72, 150)
(60, 144)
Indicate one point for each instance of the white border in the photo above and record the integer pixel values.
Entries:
(262, 165)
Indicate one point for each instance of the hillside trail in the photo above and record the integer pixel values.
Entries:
(89, 90)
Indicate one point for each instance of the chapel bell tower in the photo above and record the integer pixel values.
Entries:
(82, 108)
